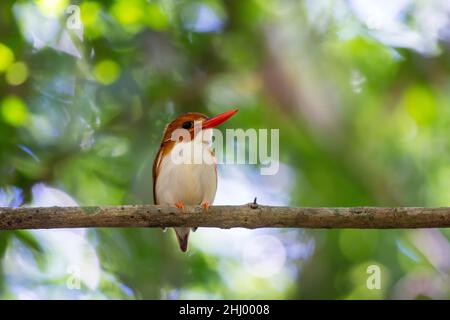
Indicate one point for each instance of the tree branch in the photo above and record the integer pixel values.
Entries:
(246, 216)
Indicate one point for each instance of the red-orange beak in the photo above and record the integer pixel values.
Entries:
(219, 119)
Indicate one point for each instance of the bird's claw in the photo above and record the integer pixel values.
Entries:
(180, 205)
(205, 206)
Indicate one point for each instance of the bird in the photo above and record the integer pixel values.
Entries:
(179, 183)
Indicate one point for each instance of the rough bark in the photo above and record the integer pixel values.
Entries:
(246, 216)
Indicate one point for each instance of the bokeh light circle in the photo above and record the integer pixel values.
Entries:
(264, 256)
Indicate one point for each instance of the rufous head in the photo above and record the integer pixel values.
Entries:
(194, 123)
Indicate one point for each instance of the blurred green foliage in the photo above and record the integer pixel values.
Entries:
(363, 121)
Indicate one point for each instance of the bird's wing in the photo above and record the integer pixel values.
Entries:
(157, 163)
(156, 167)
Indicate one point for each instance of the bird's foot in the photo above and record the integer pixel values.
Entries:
(205, 206)
(180, 205)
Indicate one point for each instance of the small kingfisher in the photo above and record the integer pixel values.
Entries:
(189, 182)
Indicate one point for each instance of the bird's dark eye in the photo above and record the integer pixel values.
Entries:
(187, 125)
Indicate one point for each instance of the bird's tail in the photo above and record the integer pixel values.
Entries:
(182, 237)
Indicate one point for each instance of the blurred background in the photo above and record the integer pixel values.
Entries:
(359, 89)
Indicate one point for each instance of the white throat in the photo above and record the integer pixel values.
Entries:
(197, 151)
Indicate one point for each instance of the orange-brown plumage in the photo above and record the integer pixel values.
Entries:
(190, 183)
(167, 144)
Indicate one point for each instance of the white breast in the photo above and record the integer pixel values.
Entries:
(189, 183)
